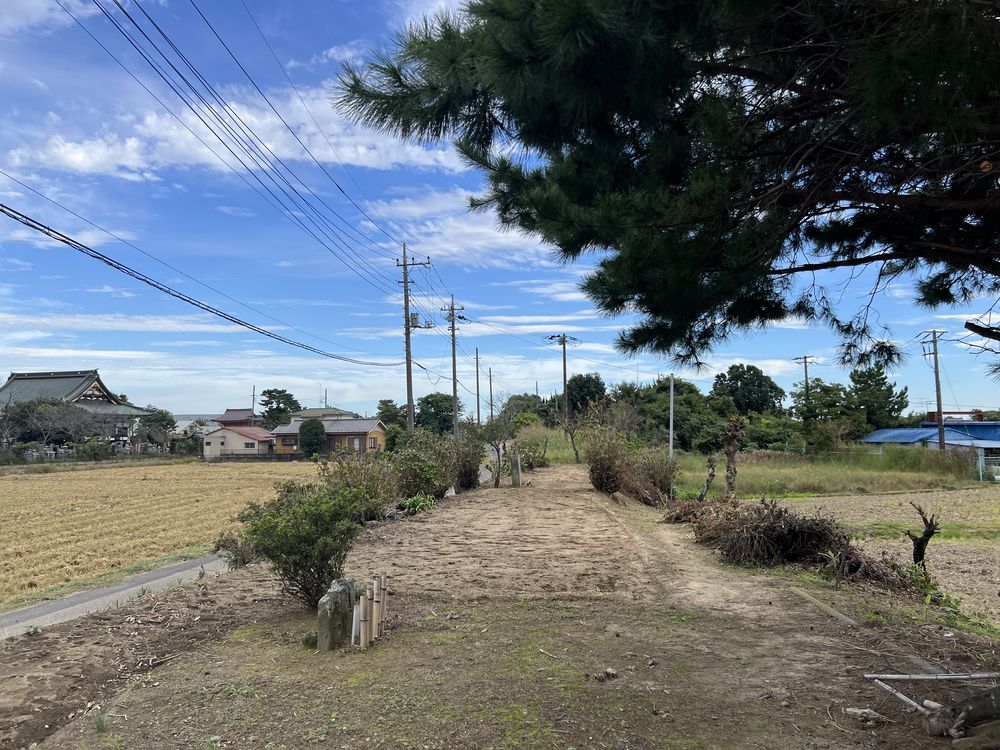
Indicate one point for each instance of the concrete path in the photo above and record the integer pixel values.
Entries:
(81, 603)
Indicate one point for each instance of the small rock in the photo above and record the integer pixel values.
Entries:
(310, 640)
(651, 663)
(600, 677)
(610, 673)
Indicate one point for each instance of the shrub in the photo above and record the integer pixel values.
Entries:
(312, 437)
(94, 449)
(651, 476)
(235, 548)
(533, 452)
(372, 474)
(425, 465)
(469, 450)
(417, 504)
(305, 533)
(608, 458)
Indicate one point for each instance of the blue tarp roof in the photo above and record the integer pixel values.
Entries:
(907, 435)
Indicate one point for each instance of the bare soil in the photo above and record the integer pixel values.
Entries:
(504, 606)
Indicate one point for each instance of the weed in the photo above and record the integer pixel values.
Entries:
(240, 691)
(101, 723)
(417, 504)
(32, 630)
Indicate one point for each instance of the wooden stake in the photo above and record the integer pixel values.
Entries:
(377, 611)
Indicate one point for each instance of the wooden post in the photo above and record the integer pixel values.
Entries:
(377, 609)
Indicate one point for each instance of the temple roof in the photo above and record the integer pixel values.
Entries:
(81, 387)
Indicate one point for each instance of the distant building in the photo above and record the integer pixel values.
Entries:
(84, 388)
(957, 436)
(238, 418)
(342, 434)
(237, 440)
(325, 412)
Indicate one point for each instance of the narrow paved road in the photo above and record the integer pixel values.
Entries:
(94, 600)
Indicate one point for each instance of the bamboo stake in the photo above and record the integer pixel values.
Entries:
(377, 611)
(907, 701)
(356, 624)
(385, 595)
(956, 676)
(366, 628)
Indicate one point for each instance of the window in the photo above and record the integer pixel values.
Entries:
(208, 442)
(289, 441)
(222, 442)
(372, 442)
(249, 445)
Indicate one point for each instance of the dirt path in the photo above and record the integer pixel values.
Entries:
(505, 604)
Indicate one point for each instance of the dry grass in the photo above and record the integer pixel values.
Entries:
(67, 526)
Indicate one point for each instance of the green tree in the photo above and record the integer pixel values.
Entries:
(156, 426)
(584, 390)
(720, 150)
(883, 405)
(312, 437)
(391, 413)
(277, 405)
(435, 413)
(829, 414)
(750, 389)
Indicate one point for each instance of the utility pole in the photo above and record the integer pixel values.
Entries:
(804, 359)
(409, 323)
(937, 386)
(253, 401)
(491, 393)
(562, 338)
(479, 415)
(450, 317)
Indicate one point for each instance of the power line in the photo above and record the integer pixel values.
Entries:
(247, 141)
(139, 276)
(168, 265)
(316, 123)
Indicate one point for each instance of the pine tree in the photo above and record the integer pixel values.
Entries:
(721, 150)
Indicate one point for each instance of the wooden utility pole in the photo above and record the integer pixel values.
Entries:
(937, 386)
(671, 451)
(409, 323)
(479, 414)
(450, 317)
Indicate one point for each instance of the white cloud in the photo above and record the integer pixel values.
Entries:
(17, 16)
(112, 291)
(154, 141)
(113, 322)
(553, 289)
(12, 265)
(244, 213)
(339, 53)
(89, 237)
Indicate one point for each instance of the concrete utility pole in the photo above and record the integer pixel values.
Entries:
(671, 452)
(479, 414)
(804, 359)
(409, 323)
(491, 393)
(937, 386)
(450, 317)
(562, 338)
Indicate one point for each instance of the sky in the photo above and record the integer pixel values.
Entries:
(98, 145)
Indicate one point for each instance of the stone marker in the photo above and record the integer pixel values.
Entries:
(336, 614)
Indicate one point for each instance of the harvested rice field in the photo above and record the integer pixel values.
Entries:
(67, 526)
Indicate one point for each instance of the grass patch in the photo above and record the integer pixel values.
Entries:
(948, 532)
(852, 472)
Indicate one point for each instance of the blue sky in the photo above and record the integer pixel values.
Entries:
(78, 129)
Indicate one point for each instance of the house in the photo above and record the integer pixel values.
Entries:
(325, 412)
(237, 440)
(83, 388)
(359, 435)
(238, 418)
(957, 436)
